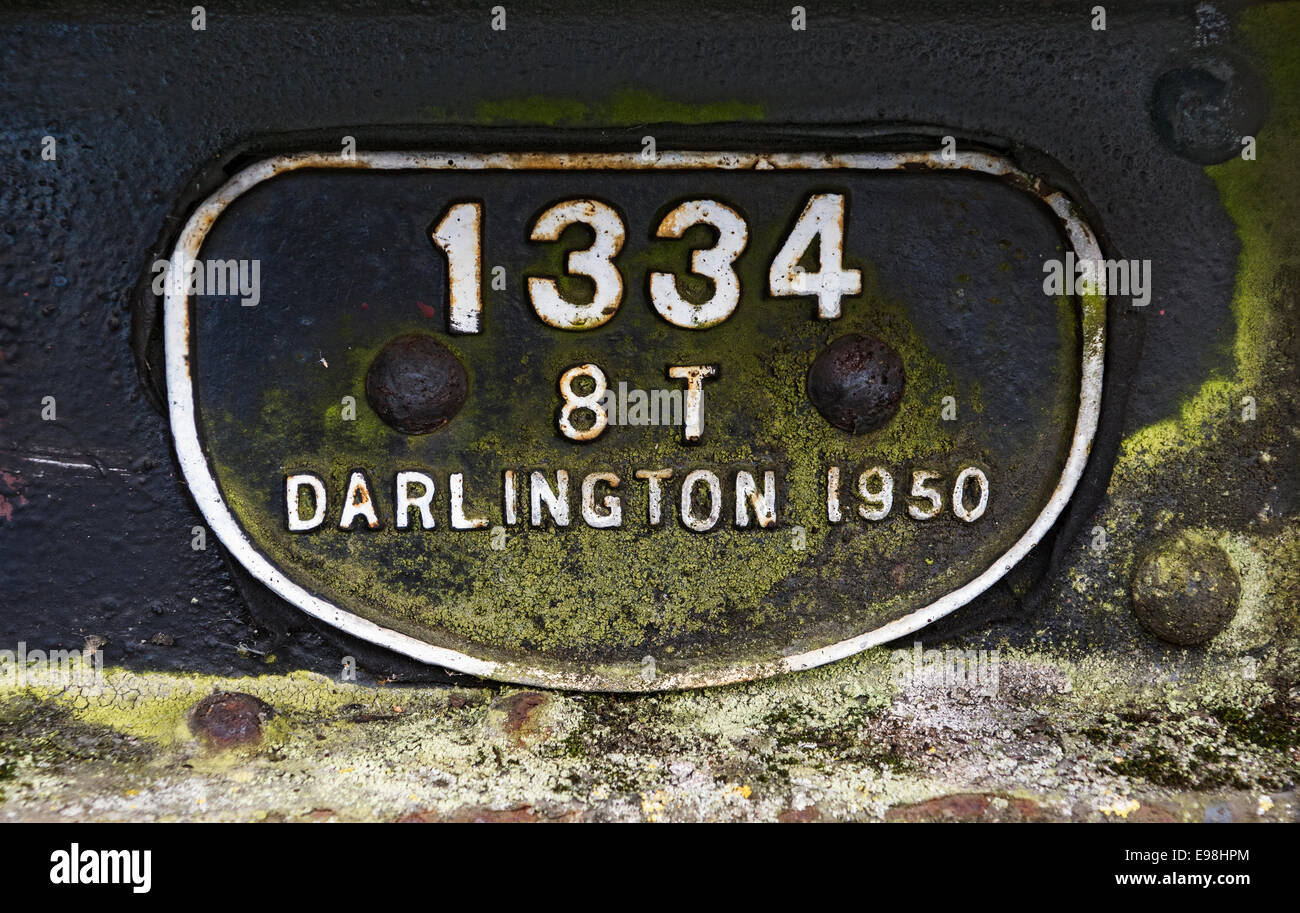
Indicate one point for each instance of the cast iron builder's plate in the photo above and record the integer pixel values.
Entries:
(785, 552)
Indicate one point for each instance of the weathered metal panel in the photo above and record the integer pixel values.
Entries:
(1142, 656)
(342, 243)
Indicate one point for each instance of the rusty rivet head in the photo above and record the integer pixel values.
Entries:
(856, 383)
(227, 719)
(1204, 104)
(416, 384)
(1185, 590)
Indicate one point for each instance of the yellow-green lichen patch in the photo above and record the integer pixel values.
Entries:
(1266, 613)
(846, 742)
(607, 597)
(590, 587)
(155, 706)
(1262, 196)
(1214, 468)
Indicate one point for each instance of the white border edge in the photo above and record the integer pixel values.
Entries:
(207, 495)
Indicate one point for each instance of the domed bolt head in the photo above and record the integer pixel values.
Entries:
(229, 718)
(857, 383)
(1204, 105)
(1185, 590)
(416, 384)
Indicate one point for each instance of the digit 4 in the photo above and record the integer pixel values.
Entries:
(823, 219)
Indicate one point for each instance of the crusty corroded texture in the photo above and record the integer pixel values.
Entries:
(1092, 717)
(1185, 590)
(1103, 737)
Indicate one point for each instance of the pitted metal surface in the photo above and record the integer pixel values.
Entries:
(1111, 701)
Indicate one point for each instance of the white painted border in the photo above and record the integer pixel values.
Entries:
(203, 486)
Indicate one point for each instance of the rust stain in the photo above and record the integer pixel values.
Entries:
(227, 719)
(519, 709)
(11, 494)
(799, 816)
(519, 814)
(969, 807)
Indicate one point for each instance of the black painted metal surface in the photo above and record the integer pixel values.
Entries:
(96, 533)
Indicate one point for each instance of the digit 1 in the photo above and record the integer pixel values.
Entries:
(460, 237)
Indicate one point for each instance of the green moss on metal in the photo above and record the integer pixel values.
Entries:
(1261, 196)
(612, 596)
(590, 587)
(844, 742)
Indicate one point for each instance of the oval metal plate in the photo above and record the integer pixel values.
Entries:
(1000, 376)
